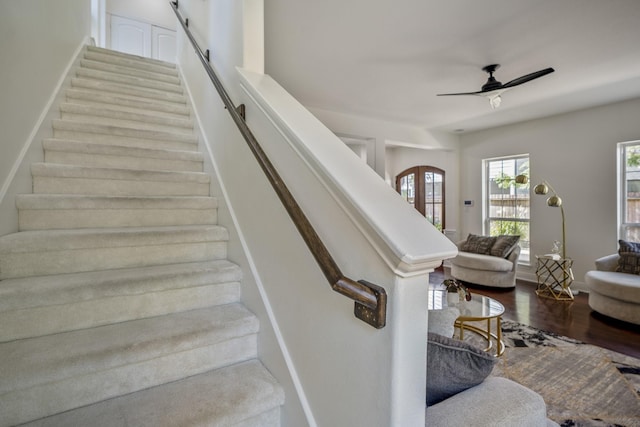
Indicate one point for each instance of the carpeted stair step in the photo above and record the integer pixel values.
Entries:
(120, 157)
(69, 179)
(138, 82)
(78, 82)
(60, 211)
(96, 97)
(119, 135)
(72, 369)
(130, 61)
(37, 306)
(47, 252)
(99, 114)
(142, 59)
(128, 71)
(243, 395)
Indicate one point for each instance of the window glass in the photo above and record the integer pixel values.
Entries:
(629, 172)
(506, 202)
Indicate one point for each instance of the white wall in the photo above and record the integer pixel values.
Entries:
(343, 371)
(576, 153)
(39, 39)
(220, 138)
(156, 12)
(384, 134)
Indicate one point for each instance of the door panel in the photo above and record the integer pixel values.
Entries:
(163, 44)
(130, 36)
(142, 39)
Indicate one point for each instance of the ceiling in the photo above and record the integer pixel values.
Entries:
(388, 59)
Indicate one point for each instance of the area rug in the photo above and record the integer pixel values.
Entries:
(582, 385)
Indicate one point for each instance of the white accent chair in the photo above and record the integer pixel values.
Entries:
(485, 270)
(614, 294)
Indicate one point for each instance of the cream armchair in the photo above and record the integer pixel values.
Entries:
(486, 270)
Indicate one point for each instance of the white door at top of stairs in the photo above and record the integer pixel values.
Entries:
(142, 39)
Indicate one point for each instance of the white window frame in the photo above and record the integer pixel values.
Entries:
(525, 255)
(622, 170)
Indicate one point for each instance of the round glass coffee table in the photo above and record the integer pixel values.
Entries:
(475, 316)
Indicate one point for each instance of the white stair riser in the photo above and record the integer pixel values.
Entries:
(55, 185)
(121, 162)
(17, 406)
(39, 321)
(91, 259)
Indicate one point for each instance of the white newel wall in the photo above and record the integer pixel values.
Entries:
(336, 370)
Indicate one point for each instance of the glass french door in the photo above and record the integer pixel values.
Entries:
(423, 187)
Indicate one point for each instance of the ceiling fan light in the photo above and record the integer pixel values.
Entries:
(495, 101)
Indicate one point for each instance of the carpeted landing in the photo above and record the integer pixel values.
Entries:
(583, 385)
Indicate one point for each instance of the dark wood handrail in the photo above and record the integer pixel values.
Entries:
(370, 299)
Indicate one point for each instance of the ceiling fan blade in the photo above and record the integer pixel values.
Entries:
(463, 93)
(528, 77)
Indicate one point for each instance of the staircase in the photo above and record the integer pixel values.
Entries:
(118, 306)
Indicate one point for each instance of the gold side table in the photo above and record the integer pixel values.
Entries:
(554, 278)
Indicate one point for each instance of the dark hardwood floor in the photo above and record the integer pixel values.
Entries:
(572, 319)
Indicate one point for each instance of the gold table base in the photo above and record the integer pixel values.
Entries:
(554, 278)
(488, 336)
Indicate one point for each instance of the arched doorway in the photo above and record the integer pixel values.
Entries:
(423, 187)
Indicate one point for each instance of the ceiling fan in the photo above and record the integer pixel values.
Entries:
(492, 89)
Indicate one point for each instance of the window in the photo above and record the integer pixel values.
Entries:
(506, 204)
(423, 187)
(629, 191)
